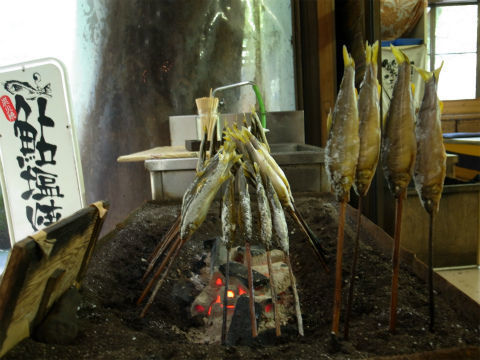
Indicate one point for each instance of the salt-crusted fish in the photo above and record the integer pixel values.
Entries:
(244, 207)
(195, 213)
(264, 211)
(228, 214)
(430, 166)
(399, 144)
(278, 218)
(369, 118)
(343, 144)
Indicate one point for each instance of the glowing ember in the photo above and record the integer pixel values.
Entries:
(241, 291)
(268, 308)
(230, 294)
(199, 308)
(218, 282)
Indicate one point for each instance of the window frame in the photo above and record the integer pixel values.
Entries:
(432, 19)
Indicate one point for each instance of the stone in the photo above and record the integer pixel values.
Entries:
(60, 326)
(240, 331)
(240, 272)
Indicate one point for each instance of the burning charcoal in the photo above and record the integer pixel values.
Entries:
(240, 327)
(184, 292)
(240, 271)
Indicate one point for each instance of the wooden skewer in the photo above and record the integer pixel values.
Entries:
(353, 271)
(162, 279)
(273, 291)
(298, 311)
(396, 262)
(172, 234)
(225, 298)
(169, 233)
(338, 270)
(431, 302)
(253, 319)
(159, 271)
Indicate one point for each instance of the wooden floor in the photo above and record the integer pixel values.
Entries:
(465, 279)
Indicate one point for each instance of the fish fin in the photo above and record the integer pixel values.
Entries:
(436, 72)
(374, 48)
(347, 58)
(412, 85)
(329, 122)
(368, 53)
(440, 103)
(379, 88)
(356, 94)
(399, 55)
(426, 75)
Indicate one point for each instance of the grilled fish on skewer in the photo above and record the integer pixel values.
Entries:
(269, 168)
(343, 143)
(369, 123)
(199, 201)
(228, 235)
(370, 139)
(398, 158)
(341, 160)
(281, 232)
(430, 166)
(399, 144)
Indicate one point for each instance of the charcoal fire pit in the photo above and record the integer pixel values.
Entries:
(110, 327)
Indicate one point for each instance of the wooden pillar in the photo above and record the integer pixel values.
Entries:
(326, 61)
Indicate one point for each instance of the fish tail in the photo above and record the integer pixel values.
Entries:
(368, 53)
(436, 72)
(347, 58)
(400, 56)
(374, 49)
(47, 90)
(426, 75)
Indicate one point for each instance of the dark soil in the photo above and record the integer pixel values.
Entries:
(111, 327)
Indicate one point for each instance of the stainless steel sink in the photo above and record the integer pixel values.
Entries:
(303, 165)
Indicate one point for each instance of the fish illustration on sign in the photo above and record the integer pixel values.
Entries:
(29, 92)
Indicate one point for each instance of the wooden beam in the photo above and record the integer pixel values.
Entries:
(326, 61)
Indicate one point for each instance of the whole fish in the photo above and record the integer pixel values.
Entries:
(26, 90)
(264, 211)
(430, 166)
(369, 117)
(195, 213)
(244, 208)
(278, 218)
(343, 144)
(399, 144)
(228, 214)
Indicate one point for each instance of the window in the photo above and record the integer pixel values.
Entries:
(452, 37)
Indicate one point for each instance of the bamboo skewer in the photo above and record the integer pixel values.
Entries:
(251, 296)
(160, 249)
(273, 291)
(159, 271)
(225, 298)
(159, 284)
(298, 311)
(353, 270)
(396, 261)
(431, 299)
(338, 269)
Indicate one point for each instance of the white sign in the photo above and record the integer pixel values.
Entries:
(41, 173)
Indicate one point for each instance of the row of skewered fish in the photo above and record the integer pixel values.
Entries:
(410, 145)
(243, 162)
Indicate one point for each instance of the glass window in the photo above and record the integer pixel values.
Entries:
(455, 43)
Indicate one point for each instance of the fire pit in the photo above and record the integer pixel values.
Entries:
(110, 327)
